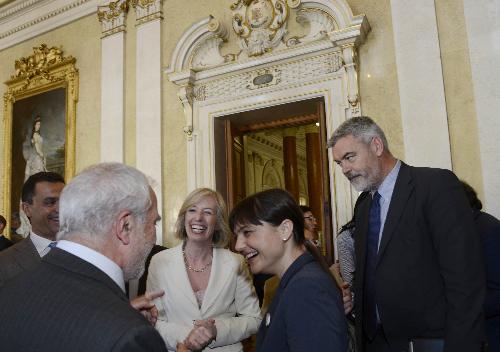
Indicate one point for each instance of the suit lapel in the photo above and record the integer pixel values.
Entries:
(219, 275)
(402, 191)
(179, 272)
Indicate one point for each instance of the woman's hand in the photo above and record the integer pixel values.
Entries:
(203, 333)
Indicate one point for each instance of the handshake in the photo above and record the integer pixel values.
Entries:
(202, 334)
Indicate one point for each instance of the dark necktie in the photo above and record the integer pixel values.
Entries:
(369, 304)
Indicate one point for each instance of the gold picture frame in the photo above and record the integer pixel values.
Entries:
(44, 73)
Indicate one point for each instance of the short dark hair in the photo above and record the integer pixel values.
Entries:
(272, 206)
(305, 208)
(471, 194)
(3, 221)
(29, 186)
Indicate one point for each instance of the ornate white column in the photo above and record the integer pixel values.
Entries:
(482, 19)
(148, 93)
(112, 18)
(421, 86)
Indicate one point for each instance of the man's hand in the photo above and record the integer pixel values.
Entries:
(144, 304)
(203, 333)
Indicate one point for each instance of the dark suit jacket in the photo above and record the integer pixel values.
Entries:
(143, 279)
(429, 279)
(16, 259)
(488, 228)
(67, 304)
(4, 243)
(306, 313)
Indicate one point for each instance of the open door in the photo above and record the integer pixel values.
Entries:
(325, 187)
(235, 164)
(232, 136)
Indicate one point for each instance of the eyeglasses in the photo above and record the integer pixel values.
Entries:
(310, 218)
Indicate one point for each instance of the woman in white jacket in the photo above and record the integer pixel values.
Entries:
(209, 298)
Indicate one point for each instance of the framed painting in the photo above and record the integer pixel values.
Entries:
(39, 115)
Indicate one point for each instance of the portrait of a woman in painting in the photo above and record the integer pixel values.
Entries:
(35, 161)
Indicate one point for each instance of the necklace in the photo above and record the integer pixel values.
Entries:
(190, 268)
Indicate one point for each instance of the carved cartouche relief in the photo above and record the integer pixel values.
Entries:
(260, 24)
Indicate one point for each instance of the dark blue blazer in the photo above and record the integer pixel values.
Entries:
(306, 313)
(488, 228)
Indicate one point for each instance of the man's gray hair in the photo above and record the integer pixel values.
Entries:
(360, 127)
(90, 203)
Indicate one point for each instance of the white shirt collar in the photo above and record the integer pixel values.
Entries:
(95, 258)
(41, 243)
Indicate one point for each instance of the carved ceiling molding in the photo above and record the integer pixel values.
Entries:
(22, 20)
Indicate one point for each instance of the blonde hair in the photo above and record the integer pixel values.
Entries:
(221, 233)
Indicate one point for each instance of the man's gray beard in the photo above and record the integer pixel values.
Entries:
(365, 186)
(135, 270)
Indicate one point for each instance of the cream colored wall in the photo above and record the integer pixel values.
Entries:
(378, 82)
(86, 50)
(459, 94)
(178, 15)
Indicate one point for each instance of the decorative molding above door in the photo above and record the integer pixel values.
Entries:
(277, 64)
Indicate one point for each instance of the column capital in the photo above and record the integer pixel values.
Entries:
(147, 10)
(112, 17)
(290, 132)
(312, 128)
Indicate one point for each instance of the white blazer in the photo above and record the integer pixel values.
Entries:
(229, 299)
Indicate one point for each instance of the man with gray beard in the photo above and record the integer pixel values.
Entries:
(75, 299)
(419, 280)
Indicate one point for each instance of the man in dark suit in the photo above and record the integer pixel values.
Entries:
(75, 298)
(4, 241)
(40, 202)
(419, 273)
(488, 228)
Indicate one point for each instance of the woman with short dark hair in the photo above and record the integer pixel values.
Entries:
(306, 313)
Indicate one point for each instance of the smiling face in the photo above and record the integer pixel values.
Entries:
(360, 162)
(262, 247)
(200, 220)
(43, 211)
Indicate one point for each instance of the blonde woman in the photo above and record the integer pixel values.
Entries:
(209, 297)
